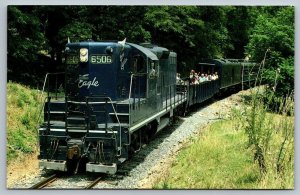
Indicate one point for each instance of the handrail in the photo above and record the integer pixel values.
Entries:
(38, 121)
(131, 77)
(45, 80)
(46, 77)
(114, 110)
(66, 113)
(118, 123)
(41, 95)
(40, 114)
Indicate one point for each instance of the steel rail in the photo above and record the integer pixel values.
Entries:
(91, 185)
(44, 182)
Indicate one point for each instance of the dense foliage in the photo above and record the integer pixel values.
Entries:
(272, 38)
(37, 35)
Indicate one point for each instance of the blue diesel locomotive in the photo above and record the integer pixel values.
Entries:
(114, 96)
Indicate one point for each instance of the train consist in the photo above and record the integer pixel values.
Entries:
(115, 96)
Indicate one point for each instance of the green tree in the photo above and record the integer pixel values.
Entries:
(61, 22)
(37, 34)
(194, 32)
(238, 26)
(174, 28)
(26, 41)
(274, 31)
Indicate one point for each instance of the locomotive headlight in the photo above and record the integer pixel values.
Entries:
(83, 55)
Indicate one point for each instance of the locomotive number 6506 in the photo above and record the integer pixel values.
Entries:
(101, 59)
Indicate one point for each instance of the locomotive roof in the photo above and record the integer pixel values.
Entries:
(144, 50)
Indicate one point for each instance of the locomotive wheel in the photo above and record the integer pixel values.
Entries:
(152, 128)
(146, 138)
(130, 151)
(181, 111)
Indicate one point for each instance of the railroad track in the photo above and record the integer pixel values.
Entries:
(54, 177)
(45, 182)
(91, 185)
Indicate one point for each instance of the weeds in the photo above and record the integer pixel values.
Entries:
(270, 135)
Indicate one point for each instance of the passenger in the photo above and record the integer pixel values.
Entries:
(152, 71)
(179, 81)
(206, 77)
(192, 77)
(216, 74)
(209, 77)
(196, 82)
(213, 77)
(202, 78)
(177, 78)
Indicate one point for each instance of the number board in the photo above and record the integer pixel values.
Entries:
(101, 59)
(72, 59)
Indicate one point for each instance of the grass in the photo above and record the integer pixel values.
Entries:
(22, 115)
(215, 160)
(221, 159)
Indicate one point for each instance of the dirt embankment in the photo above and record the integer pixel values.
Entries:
(21, 170)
